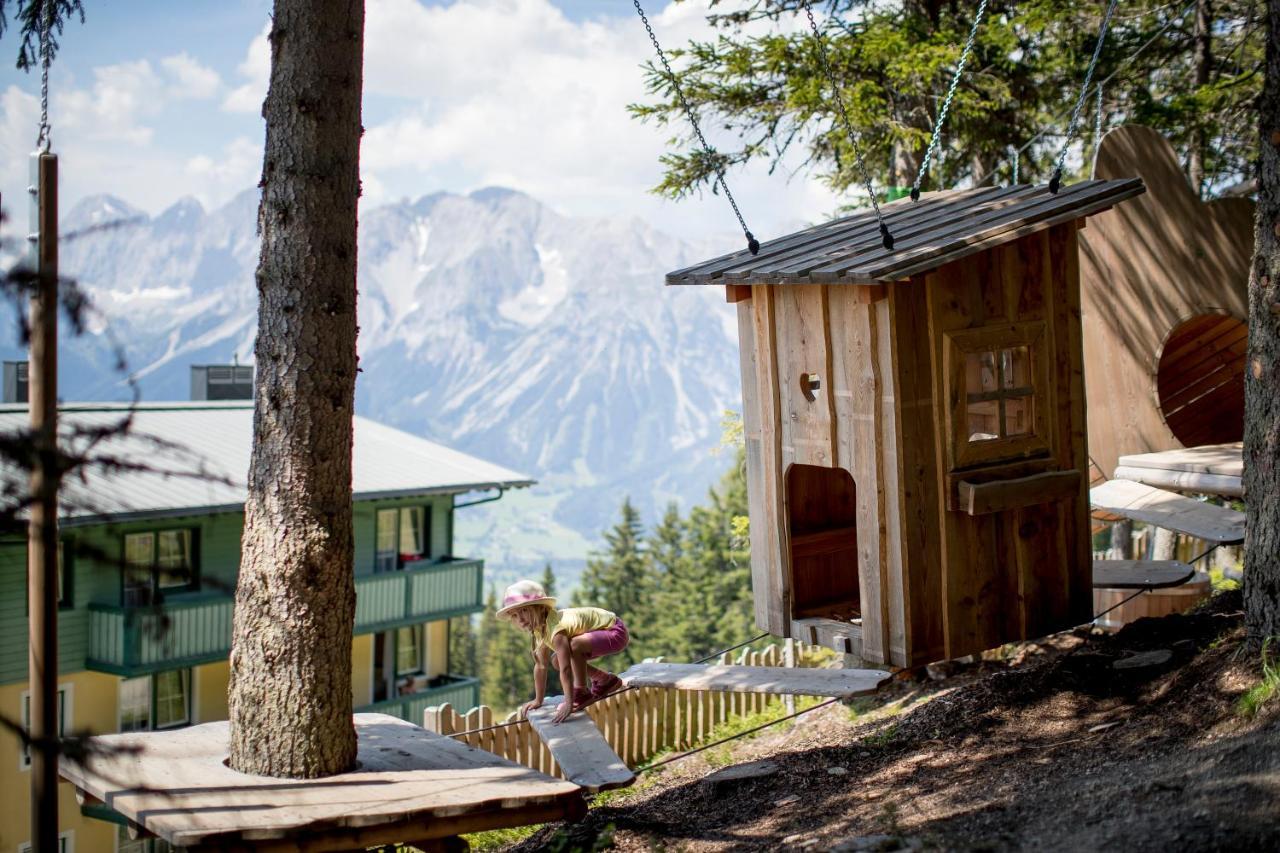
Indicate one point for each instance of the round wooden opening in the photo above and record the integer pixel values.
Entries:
(1200, 380)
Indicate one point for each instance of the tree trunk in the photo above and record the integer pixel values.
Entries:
(1262, 378)
(1122, 539)
(1204, 68)
(290, 693)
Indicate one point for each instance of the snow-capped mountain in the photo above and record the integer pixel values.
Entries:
(488, 322)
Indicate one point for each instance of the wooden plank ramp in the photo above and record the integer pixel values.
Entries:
(756, 679)
(578, 746)
(1168, 510)
(1140, 574)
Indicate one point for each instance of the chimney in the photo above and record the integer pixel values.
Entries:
(219, 382)
(15, 382)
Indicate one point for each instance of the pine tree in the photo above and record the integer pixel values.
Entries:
(464, 658)
(621, 579)
(289, 699)
(548, 580)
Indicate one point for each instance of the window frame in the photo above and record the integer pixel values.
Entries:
(66, 711)
(1038, 440)
(381, 563)
(155, 590)
(420, 639)
(186, 677)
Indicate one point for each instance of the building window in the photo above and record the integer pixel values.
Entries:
(999, 396)
(160, 701)
(66, 843)
(125, 844)
(409, 650)
(64, 717)
(400, 537)
(158, 561)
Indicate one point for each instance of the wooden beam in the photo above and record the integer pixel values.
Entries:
(1002, 495)
(737, 293)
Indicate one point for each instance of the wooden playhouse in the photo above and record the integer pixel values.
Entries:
(915, 422)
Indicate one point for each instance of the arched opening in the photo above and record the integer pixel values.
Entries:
(1200, 379)
(822, 514)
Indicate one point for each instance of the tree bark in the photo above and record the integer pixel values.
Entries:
(1262, 378)
(1204, 68)
(290, 693)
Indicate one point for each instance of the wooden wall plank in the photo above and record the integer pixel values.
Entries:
(769, 539)
(892, 503)
(920, 496)
(803, 348)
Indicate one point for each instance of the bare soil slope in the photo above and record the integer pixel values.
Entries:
(1056, 749)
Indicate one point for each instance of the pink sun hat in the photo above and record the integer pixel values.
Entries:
(523, 592)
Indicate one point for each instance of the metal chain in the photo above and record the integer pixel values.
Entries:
(946, 103)
(753, 245)
(848, 126)
(1097, 121)
(43, 138)
(1056, 181)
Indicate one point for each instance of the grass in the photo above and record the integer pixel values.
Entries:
(1219, 582)
(495, 838)
(1249, 704)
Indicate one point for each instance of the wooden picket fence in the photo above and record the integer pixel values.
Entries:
(638, 723)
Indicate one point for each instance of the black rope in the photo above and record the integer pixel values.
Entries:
(885, 236)
(753, 245)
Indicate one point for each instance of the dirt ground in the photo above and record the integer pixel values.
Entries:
(1050, 749)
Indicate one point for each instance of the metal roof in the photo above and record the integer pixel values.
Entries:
(941, 227)
(190, 458)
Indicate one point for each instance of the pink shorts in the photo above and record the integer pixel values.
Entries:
(608, 641)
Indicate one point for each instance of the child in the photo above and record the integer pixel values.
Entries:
(574, 636)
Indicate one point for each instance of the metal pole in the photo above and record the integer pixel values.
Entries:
(42, 542)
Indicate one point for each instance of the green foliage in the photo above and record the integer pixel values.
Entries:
(33, 17)
(548, 580)
(761, 83)
(1265, 690)
(621, 579)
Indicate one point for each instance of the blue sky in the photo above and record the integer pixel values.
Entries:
(154, 101)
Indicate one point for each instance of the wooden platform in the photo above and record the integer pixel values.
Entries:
(1171, 511)
(756, 679)
(410, 786)
(584, 756)
(1140, 574)
(844, 637)
(1215, 469)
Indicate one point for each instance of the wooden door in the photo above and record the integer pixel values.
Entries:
(1009, 411)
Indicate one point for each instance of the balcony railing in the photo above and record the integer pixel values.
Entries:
(460, 693)
(189, 631)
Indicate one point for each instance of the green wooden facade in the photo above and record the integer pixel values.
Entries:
(97, 632)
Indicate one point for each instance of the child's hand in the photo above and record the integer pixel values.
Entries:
(531, 705)
(562, 712)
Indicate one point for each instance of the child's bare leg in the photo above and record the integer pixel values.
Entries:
(579, 648)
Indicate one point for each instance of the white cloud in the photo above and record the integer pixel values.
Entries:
(236, 169)
(511, 92)
(256, 69)
(190, 78)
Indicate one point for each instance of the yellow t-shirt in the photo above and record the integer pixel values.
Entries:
(573, 622)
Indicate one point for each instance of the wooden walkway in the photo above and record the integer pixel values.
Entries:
(410, 786)
(1215, 469)
(1140, 574)
(1171, 511)
(756, 679)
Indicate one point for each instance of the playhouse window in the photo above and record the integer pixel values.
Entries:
(999, 397)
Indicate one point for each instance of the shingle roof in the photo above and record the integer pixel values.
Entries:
(179, 441)
(940, 228)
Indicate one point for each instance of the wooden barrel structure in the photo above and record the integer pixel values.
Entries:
(1156, 602)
